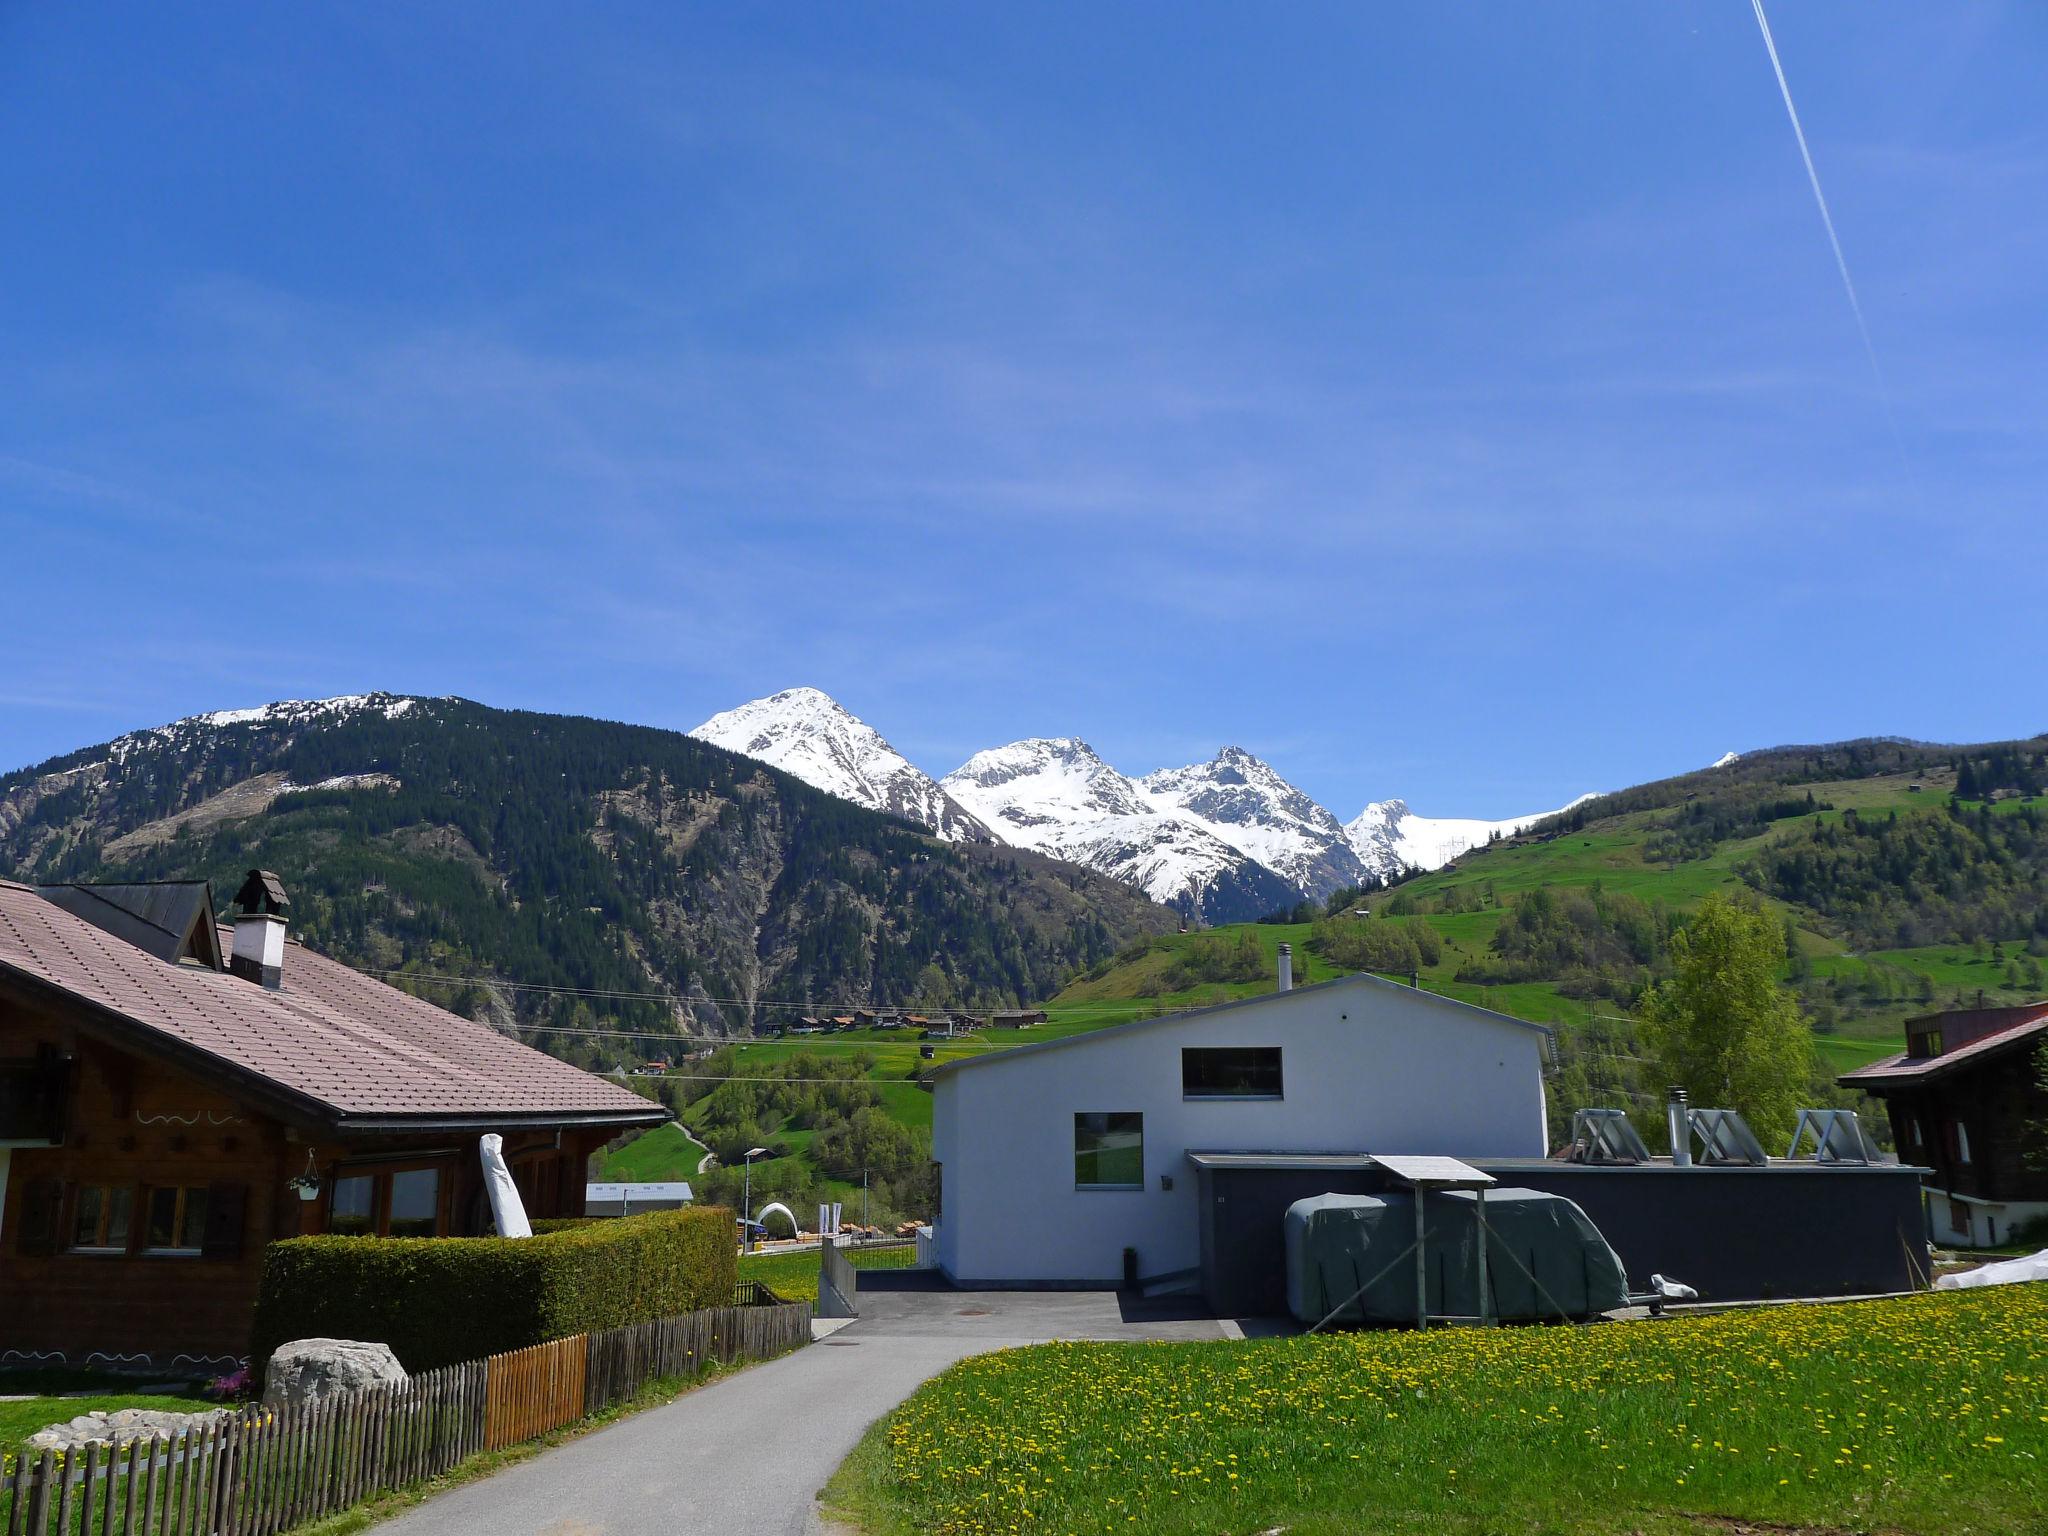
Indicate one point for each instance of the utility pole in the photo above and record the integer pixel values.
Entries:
(747, 1195)
(865, 1212)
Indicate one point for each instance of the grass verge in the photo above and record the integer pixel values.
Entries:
(1925, 1414)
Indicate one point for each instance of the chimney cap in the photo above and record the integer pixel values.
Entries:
(262, 892)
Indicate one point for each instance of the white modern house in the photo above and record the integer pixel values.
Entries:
(1057, 1156)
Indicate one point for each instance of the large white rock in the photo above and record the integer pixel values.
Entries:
(312, 1370)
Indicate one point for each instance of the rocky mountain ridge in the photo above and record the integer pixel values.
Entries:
(1221, 841)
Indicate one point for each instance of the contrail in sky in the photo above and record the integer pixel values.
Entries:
(1821, 202)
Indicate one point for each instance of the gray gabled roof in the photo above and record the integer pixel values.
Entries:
(1362, 979)
(165, 918)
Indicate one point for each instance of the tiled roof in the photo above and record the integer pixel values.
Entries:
(353, 1046)
(1909, 1069)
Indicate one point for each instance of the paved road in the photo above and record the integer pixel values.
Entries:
(749, 1454)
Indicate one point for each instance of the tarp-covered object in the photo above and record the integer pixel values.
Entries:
(2009, 1272)
(507, 1209)
(1545, 1258)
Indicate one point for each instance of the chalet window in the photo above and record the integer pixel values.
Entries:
(1962, 1142)
(1230, 1072)
(404, 1202)
(176, 1221)
(415, 1203)
(354, 1209)
(100, 1217)
(1109, 1151)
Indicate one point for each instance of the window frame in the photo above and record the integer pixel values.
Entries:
(380, 1172)
(1107, 1115)
(100, 1247)
(1189, 1052)
(437, 1218)
(181, 1211)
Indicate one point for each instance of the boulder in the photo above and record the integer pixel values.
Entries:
(312, 1370)
(118, 1428)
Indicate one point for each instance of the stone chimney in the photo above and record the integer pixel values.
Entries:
(1286, 967)
(259, 930)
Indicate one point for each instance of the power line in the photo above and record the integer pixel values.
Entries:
(624, 995)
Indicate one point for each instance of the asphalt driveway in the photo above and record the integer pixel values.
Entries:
(749, 1454)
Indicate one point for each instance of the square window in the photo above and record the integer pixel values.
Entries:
(416, 1202)
(1109, 1150)
(353, 1209)
(1230, 1072)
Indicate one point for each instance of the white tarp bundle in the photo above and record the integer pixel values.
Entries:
(2005, 1272)
(507, 1209)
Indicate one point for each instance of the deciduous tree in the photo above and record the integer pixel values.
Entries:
(1722, 1026)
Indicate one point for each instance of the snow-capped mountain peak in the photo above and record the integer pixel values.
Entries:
(1243, 800)
(1041, 781)
(1057, 795)
(812, 736)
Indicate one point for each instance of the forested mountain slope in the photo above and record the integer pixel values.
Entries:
(546, 851)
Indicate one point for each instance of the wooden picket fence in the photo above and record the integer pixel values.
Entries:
(266, 1470)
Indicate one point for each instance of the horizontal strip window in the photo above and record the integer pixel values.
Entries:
(1230, 1072)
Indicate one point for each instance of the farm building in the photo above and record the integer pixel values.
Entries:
(173, 1096)
(635, 1199)
(1966, 1098)
(1055, 1157)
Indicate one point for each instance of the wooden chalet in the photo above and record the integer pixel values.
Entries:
(1966, 1099)
(174, 1095)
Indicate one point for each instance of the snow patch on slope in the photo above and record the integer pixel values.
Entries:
(1388, 837)
(282, 714)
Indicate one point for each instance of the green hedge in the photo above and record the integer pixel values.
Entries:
(437, 1301)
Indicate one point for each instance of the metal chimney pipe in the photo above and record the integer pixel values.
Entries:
(1678, 1121)
(1286, 967)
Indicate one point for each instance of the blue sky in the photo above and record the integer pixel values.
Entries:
(1450, 402)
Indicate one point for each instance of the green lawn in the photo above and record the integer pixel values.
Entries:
(1921, 1415)
(794, 1276)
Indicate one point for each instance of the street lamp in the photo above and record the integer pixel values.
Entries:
(747, 1194)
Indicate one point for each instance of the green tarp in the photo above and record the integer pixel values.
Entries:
(1351, 1254)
